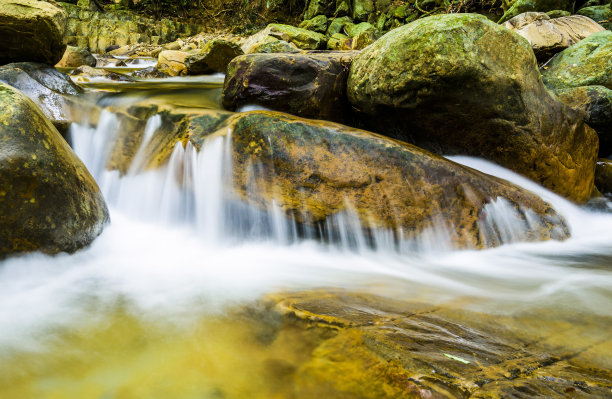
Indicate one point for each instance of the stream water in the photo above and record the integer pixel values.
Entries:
(150, 295)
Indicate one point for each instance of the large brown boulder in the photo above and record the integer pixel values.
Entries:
(311, 85)
(549, 36)
(460, 84)
(214, 57)
(74, 57)
(313, 170)
(48, 200)
(32, 30)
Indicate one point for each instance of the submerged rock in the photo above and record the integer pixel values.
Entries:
(32, 30)
(74, 57)
(587, 63)
(469, 86)
(596, 103)
(367, 346)
(312, 85)
(549, 36)
(48, 200)
(50, 89)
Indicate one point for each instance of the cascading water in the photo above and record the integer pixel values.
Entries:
(181, 246)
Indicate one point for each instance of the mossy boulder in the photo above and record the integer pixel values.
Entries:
(32, 30)
(362, 9)
(549, 36)
(339, 42)
(50, 89)
(355, 29)
(48, 200)
(596, 103)
(316, 24)
(214, 57)
(319, 7)
(312, 85)
(74, 57)
(587, 63)
(461, 84)
(601, 14)
(521, 6)
(302, 38)
(603, 176)
(274, 46)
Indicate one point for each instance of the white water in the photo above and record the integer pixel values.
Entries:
(180, 248)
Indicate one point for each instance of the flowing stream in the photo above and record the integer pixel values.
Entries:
(174, 260)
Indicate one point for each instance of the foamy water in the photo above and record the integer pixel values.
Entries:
(176, 254)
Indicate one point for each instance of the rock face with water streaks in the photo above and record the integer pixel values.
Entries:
(460, 84)
(32, 30)
(314, 170)
(311, 85)
(367, 346)
(48, 199)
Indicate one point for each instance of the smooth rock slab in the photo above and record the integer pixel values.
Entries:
(48, 200)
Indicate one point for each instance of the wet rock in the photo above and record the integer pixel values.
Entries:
(523, 6)
(302, 38)
(596, 103)
(473, 89)
(149, 73)
(32, 30)
(50, 89)
(84, 73)
(172, 62)
(312, 85)
(587, 63)
(375, 347)
(74, 57)
(110, 48)
(601, 14)
(549, 36)
(603, 176)
(316, 24)
(214, 57)
(48, 199)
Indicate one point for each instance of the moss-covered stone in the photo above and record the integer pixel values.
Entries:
(318, 7)
(362, 9)
(460, 84)
(521, 6)
(600, 14)
(312, 85)
(48, 199)
(316, 24)
(596, 103)
(339, 42)
(274, 46)
(32, 30)
(355, 29)
(214, 57)
(302, 38)
(337, 25)
(587, 63)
